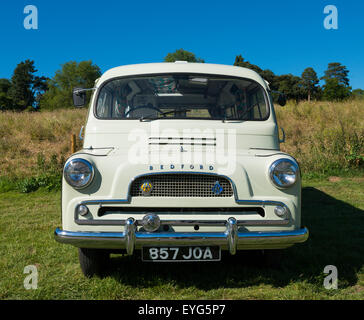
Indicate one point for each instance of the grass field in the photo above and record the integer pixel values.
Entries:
(326, 138)
(333, 210)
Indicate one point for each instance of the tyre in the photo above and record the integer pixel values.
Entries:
(93, 261)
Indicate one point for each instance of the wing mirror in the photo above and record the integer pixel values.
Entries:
(79, 97)
(282, 99)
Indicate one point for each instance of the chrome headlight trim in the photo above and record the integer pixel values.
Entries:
(275, 179)
(89, 166)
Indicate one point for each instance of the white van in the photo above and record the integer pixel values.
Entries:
(181, 161)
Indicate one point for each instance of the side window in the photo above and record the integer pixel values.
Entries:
(258, 105)
(103, 104)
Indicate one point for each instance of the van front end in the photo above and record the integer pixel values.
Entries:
(181, 162)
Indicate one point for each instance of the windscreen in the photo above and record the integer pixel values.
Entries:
(182, 96)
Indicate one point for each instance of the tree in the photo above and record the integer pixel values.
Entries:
(334, 91)
(358, 93)
(267, 74)
(182, 55)
(271, 78)
(24, 85)
(337, 71)
(72, 74)
(40, 87)
(337, 82)
(240, 62)
(5, 85)
(291, 86)
(309, 82)
(6, 102)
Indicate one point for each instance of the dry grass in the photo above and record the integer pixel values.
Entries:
(324, 137)
(23, 136)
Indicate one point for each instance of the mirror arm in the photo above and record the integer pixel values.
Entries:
(80, 134)
(274, 91)
(83, 90)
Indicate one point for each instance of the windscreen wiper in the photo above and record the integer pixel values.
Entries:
(176, 111)
(143, 118)
(162, 114)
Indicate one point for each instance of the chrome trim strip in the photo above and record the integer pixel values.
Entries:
(180, 223)
(248, 202)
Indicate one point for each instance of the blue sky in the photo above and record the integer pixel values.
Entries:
(285, 36)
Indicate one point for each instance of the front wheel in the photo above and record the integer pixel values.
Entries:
(93, 261)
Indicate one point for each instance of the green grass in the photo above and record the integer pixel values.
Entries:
(333, 212)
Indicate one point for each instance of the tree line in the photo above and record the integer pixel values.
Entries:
(306, 86)
(27, 91)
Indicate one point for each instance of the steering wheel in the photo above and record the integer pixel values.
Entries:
(143, 107)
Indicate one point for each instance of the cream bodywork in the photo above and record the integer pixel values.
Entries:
(108, 143)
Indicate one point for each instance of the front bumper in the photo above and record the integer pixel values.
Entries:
(231, 240)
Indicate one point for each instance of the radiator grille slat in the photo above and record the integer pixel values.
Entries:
(183, 185)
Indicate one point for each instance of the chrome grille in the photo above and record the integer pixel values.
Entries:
(182, 185)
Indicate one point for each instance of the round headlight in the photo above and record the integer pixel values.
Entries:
(78, 173)
(284, 173)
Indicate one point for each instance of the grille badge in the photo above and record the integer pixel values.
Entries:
(217, 188)
(146, 187)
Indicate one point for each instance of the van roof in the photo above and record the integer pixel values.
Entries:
(178, 67)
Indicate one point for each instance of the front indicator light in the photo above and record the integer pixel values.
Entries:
(82, 210)
(281, 212)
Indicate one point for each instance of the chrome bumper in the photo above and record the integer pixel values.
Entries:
(230, 240)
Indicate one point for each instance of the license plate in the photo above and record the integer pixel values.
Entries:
(181, 254)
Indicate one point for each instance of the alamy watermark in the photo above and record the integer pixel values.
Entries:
(31, 19)
(170, 149)
(31, 281)
(331, 21)
(331, 281)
